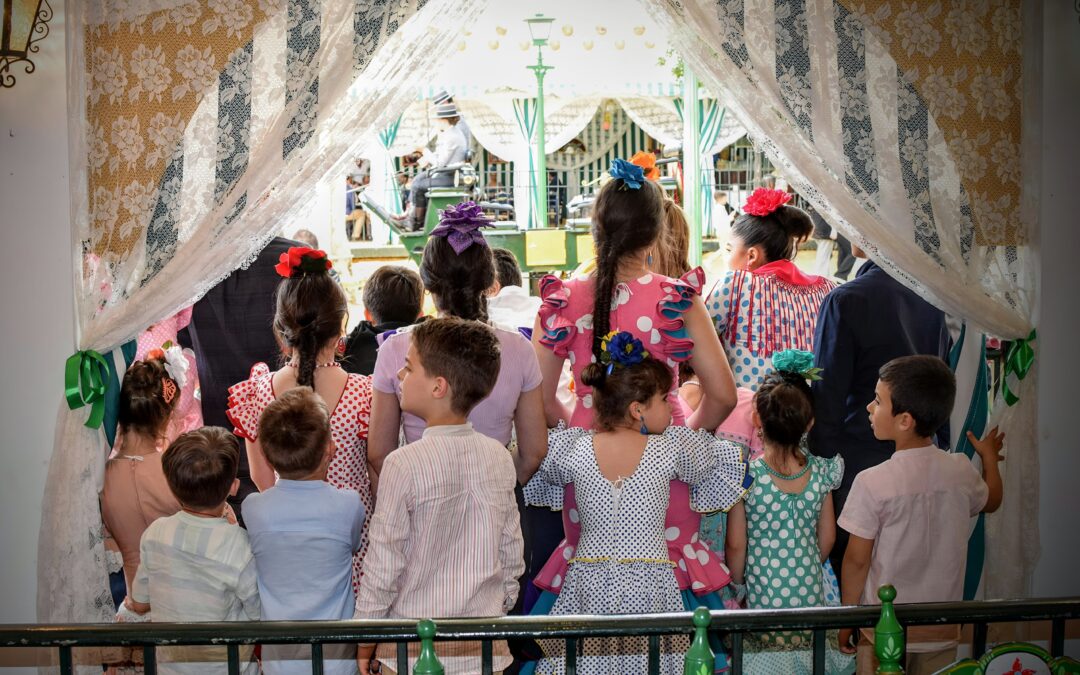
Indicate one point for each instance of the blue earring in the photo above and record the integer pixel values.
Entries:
(644, 429)
(648, 260)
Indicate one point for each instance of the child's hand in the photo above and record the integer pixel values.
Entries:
(365, 660)
(847, 644)
(989, 447)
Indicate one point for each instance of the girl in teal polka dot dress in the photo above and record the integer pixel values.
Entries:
(780, 534)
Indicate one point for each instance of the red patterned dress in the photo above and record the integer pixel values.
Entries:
(348, 430)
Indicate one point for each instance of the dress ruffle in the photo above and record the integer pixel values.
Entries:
(730, 477)
(558, 328)
(244, 405)
(541, 492)
(678, 296)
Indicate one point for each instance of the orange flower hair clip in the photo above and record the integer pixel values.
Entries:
(647, 162)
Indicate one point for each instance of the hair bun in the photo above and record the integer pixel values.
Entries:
(594, 375)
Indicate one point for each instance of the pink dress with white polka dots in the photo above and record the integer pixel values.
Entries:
(348, 430)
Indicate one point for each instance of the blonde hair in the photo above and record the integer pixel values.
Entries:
(672, 257)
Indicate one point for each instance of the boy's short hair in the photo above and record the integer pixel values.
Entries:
(294, 431)
(507, 270)
(394, 293)
(200, 466)
(465, 353)
(922, 386)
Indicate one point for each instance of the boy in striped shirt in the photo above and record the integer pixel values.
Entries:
(445, 535)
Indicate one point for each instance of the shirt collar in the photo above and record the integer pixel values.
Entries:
(199, 520)
(290, 484)
(917, 452)
(785, 270)
(866, 267)
(450, 430)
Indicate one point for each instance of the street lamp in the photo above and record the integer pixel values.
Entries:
(540, 31)
(24, 23)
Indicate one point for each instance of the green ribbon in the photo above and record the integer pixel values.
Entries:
(1018, 361)
(85, 375)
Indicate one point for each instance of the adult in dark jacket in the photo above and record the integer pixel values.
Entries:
(393, 298)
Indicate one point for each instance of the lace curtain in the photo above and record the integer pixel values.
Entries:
(198, 129)
(901, 124)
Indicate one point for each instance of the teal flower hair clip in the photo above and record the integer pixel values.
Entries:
(797, 362)
(632, 175)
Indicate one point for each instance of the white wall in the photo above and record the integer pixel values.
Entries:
(1059, 373)
(36, 325)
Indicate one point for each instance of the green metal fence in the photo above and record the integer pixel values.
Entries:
(572, 629)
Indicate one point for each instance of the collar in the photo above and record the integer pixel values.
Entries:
(866, 267)
(785, 270)
(450, 430)
(290, 484)
(512, 291)
(917, 452)
(201, 522)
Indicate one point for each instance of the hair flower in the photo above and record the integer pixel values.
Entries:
(647, 162)
(621, 349)
(632, 175)
(176, 363)
(300, 260)
(461, 224)
(764, 201)
(797, 362)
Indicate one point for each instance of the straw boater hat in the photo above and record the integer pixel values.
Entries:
(442, 97)
(445, 111)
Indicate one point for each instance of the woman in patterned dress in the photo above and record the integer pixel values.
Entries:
(310, 324)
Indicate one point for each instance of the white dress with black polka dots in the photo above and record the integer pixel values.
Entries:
(621, 565)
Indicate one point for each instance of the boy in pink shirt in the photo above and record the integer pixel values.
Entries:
(910, 517)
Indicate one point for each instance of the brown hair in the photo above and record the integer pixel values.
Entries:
(613, 394)
(143, 408)
(506, 267)
(786, 408)
(778, 233)
(922, 386)
(310, 312)
(458, 282)
(465, 353)
(624, 221)
(673, 246)
(394, 293)
(200, 466)
(294, 431)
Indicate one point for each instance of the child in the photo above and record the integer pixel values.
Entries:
(445, 536)
(778, 540)
(622, 475)
(195, 565)
(303, 531)
(393, 298)
(910, 516)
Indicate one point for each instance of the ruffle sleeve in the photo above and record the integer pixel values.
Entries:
(832, 471)
(717, 470)
(557, 326)
(678, 296)
(545, 488)
(245, 405)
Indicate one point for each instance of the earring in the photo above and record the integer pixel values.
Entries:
(644, 429)
(341, 345)
(759, 433)
(648, 260)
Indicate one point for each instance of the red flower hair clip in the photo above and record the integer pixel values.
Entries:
(647, 162)
(763, 201)
(302, 260)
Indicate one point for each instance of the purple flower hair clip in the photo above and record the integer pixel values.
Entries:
(461, 224)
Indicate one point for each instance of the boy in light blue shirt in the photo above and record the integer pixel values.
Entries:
(303, 532)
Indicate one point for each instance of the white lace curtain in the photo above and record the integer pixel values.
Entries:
(901, 124)
(196, 131)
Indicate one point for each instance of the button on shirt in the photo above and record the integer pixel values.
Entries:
(303, 534)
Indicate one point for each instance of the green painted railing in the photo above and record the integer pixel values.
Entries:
(734, 624)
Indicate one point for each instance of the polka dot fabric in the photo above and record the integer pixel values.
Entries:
(348, 430)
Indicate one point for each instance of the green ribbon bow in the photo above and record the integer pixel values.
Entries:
(1018, 361)
(85, 375)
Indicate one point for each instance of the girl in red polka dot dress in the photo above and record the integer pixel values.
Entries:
(310, 324)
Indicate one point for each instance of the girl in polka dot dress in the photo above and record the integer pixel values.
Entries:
(622, 473)
(309, 323)
(780, 534)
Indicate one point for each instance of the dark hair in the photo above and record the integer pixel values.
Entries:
(673, 245)
(465, 353)
(200, 466)
(143, 409)
(394, 293)
(294, 430)
(786, 408)
(613, 394)
(624, 221)
(778, 233)
(506, 267)
(922, 386)
(458, 282)
(311, 312)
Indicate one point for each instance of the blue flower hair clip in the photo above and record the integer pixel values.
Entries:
(621, 349)
(632, 175)
(796, 362)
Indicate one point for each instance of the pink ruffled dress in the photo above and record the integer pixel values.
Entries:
(348, 431)
(187, 415)
(651, 308)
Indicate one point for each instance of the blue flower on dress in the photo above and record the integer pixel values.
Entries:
(632, 175)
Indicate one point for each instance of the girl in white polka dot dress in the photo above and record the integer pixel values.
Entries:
(622, 473)
(780, 534)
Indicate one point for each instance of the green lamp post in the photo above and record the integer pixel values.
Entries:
(540, 31)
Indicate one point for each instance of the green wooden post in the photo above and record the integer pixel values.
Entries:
(699, 658)
(427, 663)
(888, 635)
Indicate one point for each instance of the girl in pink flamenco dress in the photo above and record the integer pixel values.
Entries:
(188, 412)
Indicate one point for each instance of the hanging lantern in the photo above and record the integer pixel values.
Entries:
(605, 121)
(500, 30)
(524, 46)
(588, 45)
(600, 30)
(493, 45)
(461, 46)
(567, 30)
(620, 44)
(649, 45)
(554, 44)
(639, 30)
